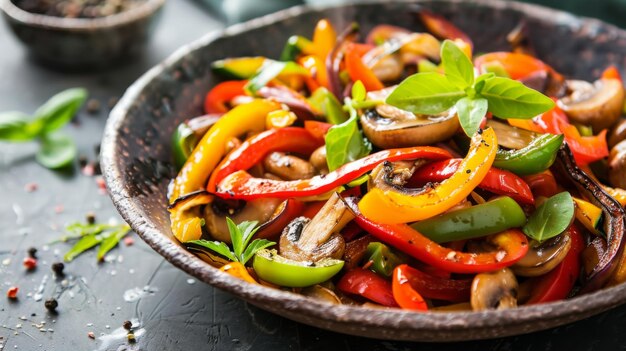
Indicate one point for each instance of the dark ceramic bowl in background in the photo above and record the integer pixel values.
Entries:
(137, 162)
(81, 43)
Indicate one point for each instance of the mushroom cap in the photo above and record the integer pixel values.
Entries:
(617, 165)
(542, 258)
(494, 290)
(598, 105)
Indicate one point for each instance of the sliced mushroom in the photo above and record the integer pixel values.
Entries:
(390, 127)
(511, 137)
(599, 104)
(318, 159)
(215, 214)
(389, 68)
(391, 175)
(355, 251)
(321, 293)
(618, 133)
(314, 239)
(494, 290)
(288, 167)
(542, 258)
(617, 165)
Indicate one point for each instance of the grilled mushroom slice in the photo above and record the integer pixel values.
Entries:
(390, 127)
(542, 258)
(321, 293)
(617, 165)
(494, 290)
(288, 167)
(618, 133)
(314, 239)
(599, 104)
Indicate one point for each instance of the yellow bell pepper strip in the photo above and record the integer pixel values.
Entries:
(588, 214)
(238, 270)
(316, 67)
(392, 206)
(238, 68)
(209, 151)
(324, 38)
(241, 185)
(185, 217)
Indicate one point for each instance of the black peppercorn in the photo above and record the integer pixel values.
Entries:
(51, 304)
(90, 217)
(32, 252)
(57, 268)
(127, 325)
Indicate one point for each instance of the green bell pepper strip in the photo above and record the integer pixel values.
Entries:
(383, 259)
(295, 46)
(477, 221)
(536, 157)
(326, 102)
(183, 142)
(273, 268)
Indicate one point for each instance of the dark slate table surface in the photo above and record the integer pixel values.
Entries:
(173, 311)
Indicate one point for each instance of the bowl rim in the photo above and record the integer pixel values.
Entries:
(144, 10)
(559, 312)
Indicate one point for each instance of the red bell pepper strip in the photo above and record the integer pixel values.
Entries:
(359, 281)
(434, 287)
(517, 65)
(317, 129)
(241, 185)
(403, 292)
(611, 73)
(557, 284)
(357, 70)
(542, 184)
(252, 151)
(513, 246)
(442, 28)
(497, 181)
(224, 92)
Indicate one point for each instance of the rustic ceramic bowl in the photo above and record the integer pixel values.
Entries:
(137, 162)
(81, 43)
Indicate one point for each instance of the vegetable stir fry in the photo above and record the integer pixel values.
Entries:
(406, 171)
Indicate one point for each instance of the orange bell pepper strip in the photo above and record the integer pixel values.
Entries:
(324, 38)
(611, 73)
(238, 270)
(517, 65)
(357, 70)
(404, 294)
(209, 151)
(391, 206)
(316, 67)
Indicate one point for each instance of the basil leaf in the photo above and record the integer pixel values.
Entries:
(358, 91)
(216, 246)
(112, 240)
(255, 246)
(235, 237)
(60, 108)
(14, 126)
(272, 69)
(248, 229)
(56, 151)
(512, 99)
(325, 101)
(457, 66)
(551, 218)
(471, 113)
(345, 143)
(85, 243)
(425, 93)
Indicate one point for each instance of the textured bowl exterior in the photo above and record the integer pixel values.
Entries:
(83, 43)
(137, 162)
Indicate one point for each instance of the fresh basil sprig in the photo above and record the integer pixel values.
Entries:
(345, 142)
(91, 235)
(240, 236)
(57, 150)
(551, 218)
(432, 93)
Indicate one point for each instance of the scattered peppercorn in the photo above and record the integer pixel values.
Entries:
(93, 106)
(12, 292)
(90, 217)
(30, 263)
(32, 252)
(82, 161)
(131, 337)
(51, 304)
(127, 325)
(57, 268)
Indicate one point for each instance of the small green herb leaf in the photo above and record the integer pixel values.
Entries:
(219, 247)
(112, 240)
(345, 142)
(358, 91)
(85, 243)
(512, 99)
(14, 126)
(471, 113)
(551, 218)
(254, 247)
(57, 151)
(272, 69)
(457, 66)
(60, 108)
(425, 93)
